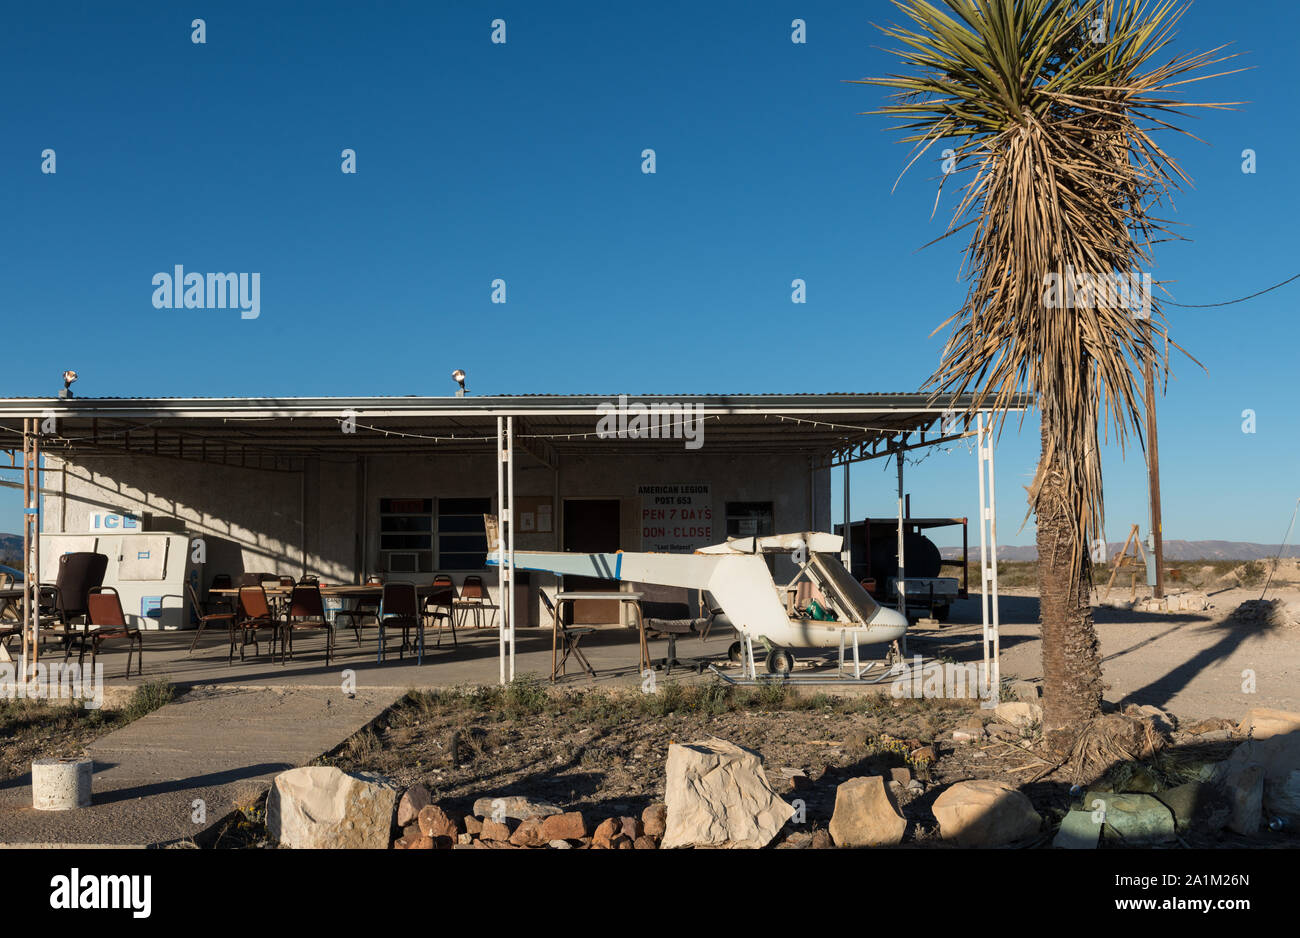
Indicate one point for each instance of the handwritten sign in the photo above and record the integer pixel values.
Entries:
(676, 517)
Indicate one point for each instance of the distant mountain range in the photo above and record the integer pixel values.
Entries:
(1174, 550)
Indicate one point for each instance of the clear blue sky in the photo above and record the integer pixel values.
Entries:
(522, 161)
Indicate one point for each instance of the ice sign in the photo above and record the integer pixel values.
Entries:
(109, 521)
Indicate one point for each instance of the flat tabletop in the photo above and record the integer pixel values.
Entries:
(593, 594)
(342, 589)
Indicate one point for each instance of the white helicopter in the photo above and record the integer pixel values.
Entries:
(736, 576)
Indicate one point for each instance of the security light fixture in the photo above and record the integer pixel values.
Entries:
(459, 377)
(68, 378)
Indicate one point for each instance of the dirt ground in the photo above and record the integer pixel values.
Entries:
(37, 729)
(1197, 665)
(605, 754)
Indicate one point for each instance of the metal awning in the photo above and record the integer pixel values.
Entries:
(277, 433)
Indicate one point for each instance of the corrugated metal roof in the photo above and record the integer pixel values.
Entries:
(500, 405)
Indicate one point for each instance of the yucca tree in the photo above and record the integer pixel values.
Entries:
(1048, 111)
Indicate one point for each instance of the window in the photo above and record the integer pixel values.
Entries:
(406, 534)
(462, 539)
(749, 519)
(424, 535)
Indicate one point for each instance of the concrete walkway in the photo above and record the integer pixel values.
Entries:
(213, 745)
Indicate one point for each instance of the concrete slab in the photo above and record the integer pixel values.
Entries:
(211, 745)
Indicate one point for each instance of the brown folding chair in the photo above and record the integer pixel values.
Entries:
(10, 620)
(400, 608)
(570, 636)
(254, 615)
(204, 616)
(442, 595)
(306, 611)
(105, 621)
(363, 607)
(474, 592)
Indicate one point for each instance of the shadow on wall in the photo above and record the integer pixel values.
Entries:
(249, 504)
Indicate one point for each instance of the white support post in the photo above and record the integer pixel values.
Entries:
(31, 546)
(988, 554)
(848, 518)
(501, 542)
(510, 562)
(902, 564)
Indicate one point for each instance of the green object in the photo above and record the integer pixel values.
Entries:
(1079, 831)
(818, 612)
(1138, 819)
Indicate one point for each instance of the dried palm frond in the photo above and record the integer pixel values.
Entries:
(1054, 132)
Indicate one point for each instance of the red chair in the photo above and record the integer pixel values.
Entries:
(306, 611)
(226, 619)
(364, 607)
(254, 615)
(105, 621)
(400, 607)
(474, 596)
(442, 595)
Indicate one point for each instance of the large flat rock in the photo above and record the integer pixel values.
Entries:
(212, 745)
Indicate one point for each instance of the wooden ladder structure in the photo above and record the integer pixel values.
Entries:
(1124, 558)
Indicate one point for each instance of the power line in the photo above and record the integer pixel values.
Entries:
(1231, 302)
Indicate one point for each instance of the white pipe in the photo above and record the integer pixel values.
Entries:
(902, 566)
(501, 542)
(510, 494)
(984, 558)
(993, 565)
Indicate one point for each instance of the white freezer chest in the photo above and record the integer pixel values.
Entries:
(149, 570)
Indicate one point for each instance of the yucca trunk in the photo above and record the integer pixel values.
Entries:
(1072, 684)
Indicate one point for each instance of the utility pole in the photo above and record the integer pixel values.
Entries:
(1153, 478)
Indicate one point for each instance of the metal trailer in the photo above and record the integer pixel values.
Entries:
(926, 592)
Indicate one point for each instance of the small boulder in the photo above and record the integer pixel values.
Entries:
(1279, 758)
(567, 826)
(654, 820)
(1026, 691)
(1197, 806)
(435, 822)
(1244, 786)
(606, 831)
(717, 795)
(1019, 713)
(866, 814)
(821, 840)
(985, 813)
(922, 755)
(494, 830)
(322, 807)
(413, 839)
(513, 806)
(631, 827)
(1136, 819)
(1263, 722)
(644, 842)
(1079, 830)
(412, 800)
(528, 833)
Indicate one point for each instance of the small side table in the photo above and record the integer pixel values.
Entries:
(570, 597)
